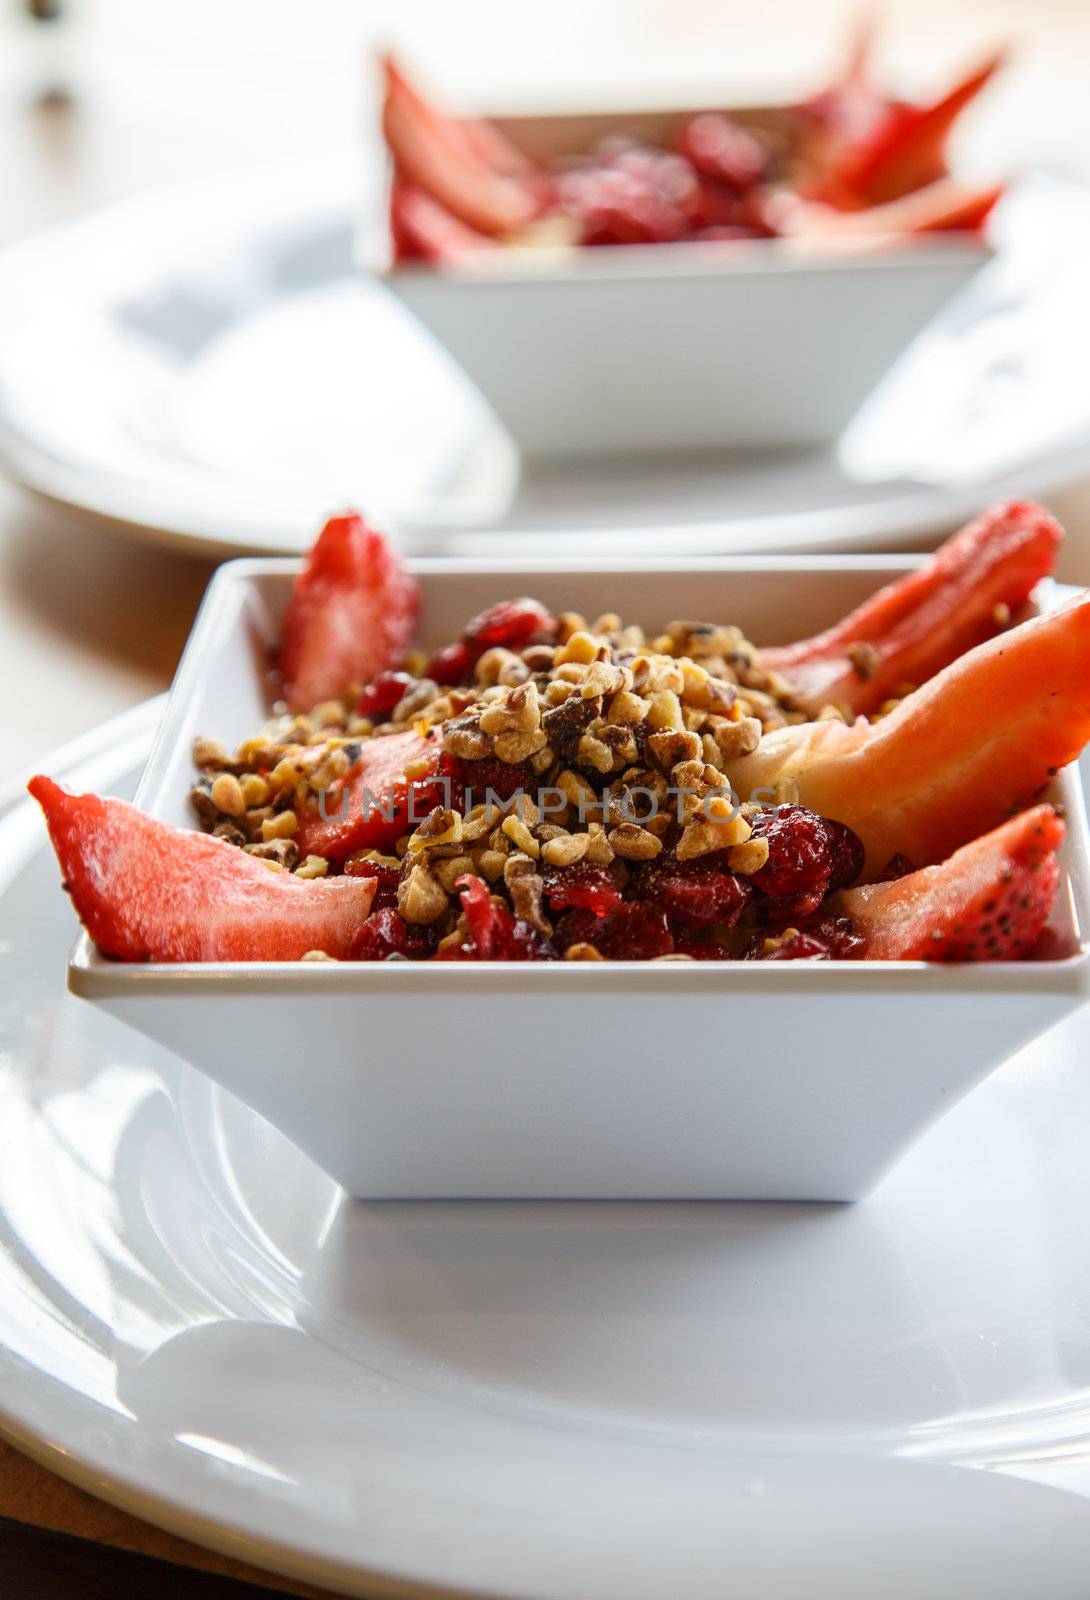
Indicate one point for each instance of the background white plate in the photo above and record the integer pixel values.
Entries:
(571, 1401)
(203, 367)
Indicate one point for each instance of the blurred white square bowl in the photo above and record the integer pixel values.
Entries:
(739, 345)
(751, 1080)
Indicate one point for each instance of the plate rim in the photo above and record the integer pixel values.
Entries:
(168, 1507)
(133, 509)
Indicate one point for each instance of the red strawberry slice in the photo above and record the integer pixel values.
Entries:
(944, 206)
(375, 803)
(149, 892)
(422, 229)
(351, 615)
(475, 177)
(988, 902)
(909, 150)
(916, 626)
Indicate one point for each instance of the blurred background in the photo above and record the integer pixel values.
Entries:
(103, 99)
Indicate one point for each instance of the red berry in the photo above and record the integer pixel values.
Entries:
(383, 693)
(494, 933)
(823, 939)
(807, 855)
(720, 213)
(720, 149)
(632, 931)
(698, 892)
(671, 175)
(770, 910)
(582, 887)
(846, 855)
(450, 665)
(614, 206)
(386, 934)
(386, 880)
(511, 624)
(504, 778)
(701, 949)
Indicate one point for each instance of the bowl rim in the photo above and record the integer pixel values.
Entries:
(96, 977)
(684, 260)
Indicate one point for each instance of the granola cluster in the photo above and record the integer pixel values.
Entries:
(590, 753)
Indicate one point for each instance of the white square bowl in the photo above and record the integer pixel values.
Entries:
(751, 1080)
(696, 346)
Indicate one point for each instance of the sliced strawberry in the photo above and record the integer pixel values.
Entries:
(841, 118)
(850, 105)
(466, 174)
(149, 892)
(941, 207)
(375, 803)
(988, 902)
(909, 150)
(351, 614)
(422, 229)
(912, 628)
(959, 754)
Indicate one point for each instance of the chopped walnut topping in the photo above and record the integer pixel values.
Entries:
(737, 738)
(285, 852)
(583, 952)
(566, 849)
(517, 712)
(667, 749)
(864, 658)
(613, 740)
(526, 888)
(634, 843)
(420, 897)
(594, 753)
(748, 857)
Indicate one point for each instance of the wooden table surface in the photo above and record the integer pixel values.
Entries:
(90, 623)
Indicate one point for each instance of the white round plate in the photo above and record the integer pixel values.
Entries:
(205, 367)
(554, 1401)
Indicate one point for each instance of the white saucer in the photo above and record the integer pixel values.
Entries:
(559, 1402)
(204, 367)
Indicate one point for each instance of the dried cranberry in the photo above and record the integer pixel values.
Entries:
(386, 880)
(720, 149)
(450, 665)
(701, 949)
(386, 934)
(846, 855)
(808, 857)
(509, 625)
(721, 213)
(632, 931)
(782, 909)
(614, 206)
(504, 778)
(583, 888)
(670, 174)
(494, 933)
(699, 892)
(799, 850)
(383, 693)
(823, 939)
(799, 947)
